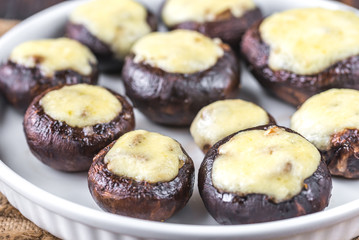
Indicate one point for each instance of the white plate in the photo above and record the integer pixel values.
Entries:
(61, 203)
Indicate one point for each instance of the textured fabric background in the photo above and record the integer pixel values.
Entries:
(14, 226)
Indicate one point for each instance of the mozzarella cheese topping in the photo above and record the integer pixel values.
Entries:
(118, 23)
(272, 162)
(81, 105)
(326, 114)
(145, 156)
(307, 41)
(225, 117)
(179, 51)
(179, 11)
(52, 55)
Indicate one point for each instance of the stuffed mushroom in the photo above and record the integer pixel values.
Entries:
(263, 174)
(144, 175)
(38, 65)
(171, 76)
(330, 120)
(109, 28)
(66, 126)
(227, 20)
(313, 50)
(222, 118)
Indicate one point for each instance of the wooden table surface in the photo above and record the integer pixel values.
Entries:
(6, 24)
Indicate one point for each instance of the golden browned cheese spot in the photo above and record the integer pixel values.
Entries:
(52, 55)
(146, 156)
(272, 162)
(310, 40)
(81, 105)
(179, 51)
(179, 11)
(326, 114)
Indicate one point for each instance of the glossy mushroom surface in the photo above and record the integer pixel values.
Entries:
(152, 200)
(174, 98)
(71, 148)
(25, 75)
(228, 207)
(292, 86)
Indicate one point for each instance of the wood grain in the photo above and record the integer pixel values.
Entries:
(6, 25)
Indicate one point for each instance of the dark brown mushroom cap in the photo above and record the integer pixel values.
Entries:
(175, 98)
(107, 58)
(343, 156)
(20, 84)
(233, 208)
(229, 29)
(125, 196)
(68, 148)
(291, 87)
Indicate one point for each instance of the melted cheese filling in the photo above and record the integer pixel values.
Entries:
(272, 162)
(145, 156)
(222, 118)
(179, 51)
(81, 105)
(118, 23)
(52, 55)
(326, 114)
(179, 11)
(307, 41)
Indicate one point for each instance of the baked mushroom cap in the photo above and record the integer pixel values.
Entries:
(227, 20)
(222, 118)
(144, 175)
(35, 66)
(330, 120)
(263, 174)
(110, 28)
(66, 126)
(296, 66)
(171, 76)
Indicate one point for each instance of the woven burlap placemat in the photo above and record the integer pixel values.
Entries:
(14, 226)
